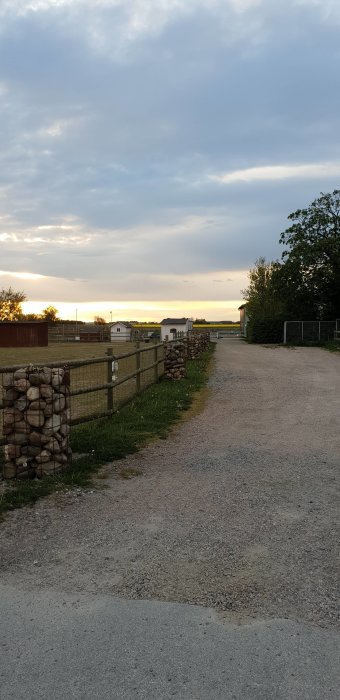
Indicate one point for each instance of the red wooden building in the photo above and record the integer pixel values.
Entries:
(23, 334)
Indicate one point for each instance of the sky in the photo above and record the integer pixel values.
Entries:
(151, 150)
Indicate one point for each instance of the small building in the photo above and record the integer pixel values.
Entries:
(244, 318)
(23, 334)
(172, 328)
(121, 332)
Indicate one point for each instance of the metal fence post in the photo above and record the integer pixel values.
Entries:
(137, 367)
(109, 352)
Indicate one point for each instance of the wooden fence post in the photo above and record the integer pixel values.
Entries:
(109, 353)
(137, 367)
(155, 358)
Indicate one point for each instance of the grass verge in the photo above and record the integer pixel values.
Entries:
(150, 415)
(332, 346)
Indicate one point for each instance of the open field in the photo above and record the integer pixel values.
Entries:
(59, 351)
(86, 376)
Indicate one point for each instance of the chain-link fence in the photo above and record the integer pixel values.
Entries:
(308, 331)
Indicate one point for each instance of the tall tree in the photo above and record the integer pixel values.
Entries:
(311, 270)
(10, 304)
(263, 293)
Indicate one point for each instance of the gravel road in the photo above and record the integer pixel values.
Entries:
(236, 510)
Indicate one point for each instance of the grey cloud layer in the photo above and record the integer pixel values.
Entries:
(118, 124)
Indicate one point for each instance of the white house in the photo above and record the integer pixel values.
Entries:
(172, 328)
(121, 332)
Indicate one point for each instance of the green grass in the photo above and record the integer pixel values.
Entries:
(59, 351)
(149, 416)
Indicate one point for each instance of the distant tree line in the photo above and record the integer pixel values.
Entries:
(11, 310)
(305, 284)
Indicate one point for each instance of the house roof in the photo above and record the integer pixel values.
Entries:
(174, 321)
(127, 324)
(243, 306)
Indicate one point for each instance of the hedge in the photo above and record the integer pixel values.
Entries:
(267, 331)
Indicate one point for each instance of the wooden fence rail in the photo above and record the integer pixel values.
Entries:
(83, 382)
(96, 378)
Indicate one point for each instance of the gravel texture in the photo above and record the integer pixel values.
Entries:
(236, 510)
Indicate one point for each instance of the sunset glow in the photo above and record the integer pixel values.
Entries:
(140, 311)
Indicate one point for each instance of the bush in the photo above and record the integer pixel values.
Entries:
(266, 331)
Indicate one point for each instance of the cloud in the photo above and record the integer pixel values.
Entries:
(146, 146)
(117, 27)
(21, 275)
(280, 172)
(55, 129)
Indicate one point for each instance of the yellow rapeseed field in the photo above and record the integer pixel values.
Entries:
(208, 326)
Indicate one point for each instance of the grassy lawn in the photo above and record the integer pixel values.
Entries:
(59, 351)
(146, 417)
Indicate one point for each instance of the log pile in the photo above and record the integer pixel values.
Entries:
(174, 360)
(197, 344)
(36, 423)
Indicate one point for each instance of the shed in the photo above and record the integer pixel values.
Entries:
(172, 328)
(23, 334)
(121, 332)
(244, 318)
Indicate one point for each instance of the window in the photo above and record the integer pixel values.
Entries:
(118, 330)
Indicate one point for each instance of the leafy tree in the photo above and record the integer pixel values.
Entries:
(306, 283)
(263, 296)
(50, 314)
(99, 321)
(10, 304)
(311, 270)
(31, 317)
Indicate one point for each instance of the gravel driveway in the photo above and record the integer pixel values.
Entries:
(236, 510)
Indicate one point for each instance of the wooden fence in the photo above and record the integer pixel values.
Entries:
(97, 387)
(101, 386)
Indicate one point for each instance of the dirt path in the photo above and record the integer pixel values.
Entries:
(236, 510)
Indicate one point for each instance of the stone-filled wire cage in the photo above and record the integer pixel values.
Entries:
(36, 421)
